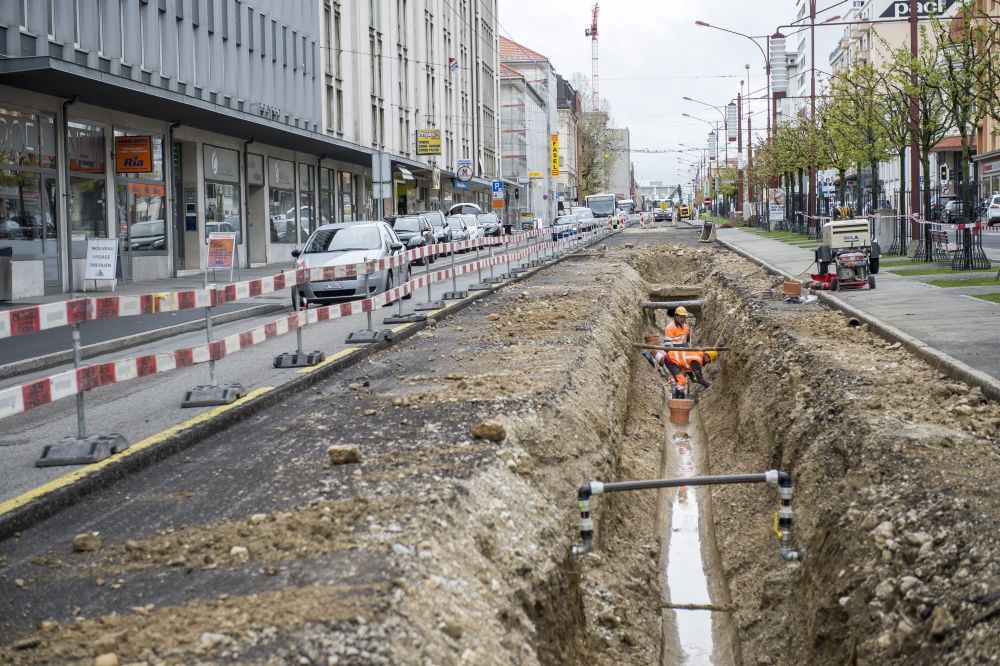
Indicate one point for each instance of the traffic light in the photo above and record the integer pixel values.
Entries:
(945, 175)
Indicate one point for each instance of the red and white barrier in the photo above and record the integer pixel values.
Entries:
(33, 318)
(39, 392)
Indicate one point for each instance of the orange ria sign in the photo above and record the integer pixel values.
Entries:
(133, 154)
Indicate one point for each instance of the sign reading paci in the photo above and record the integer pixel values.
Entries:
(901, 8)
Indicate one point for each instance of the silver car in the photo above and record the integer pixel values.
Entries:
(346, 244)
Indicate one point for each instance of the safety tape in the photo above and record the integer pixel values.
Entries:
(34, 318)
(39, 392)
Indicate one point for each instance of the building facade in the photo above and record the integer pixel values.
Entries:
(259, 117)
(525, 144)
(569, 111)
(540, 76)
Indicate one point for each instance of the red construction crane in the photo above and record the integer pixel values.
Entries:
(592, 33)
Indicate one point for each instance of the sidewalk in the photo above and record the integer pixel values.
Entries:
(965, 328)
(49, 348)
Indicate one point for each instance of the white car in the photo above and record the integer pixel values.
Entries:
(586, 217)
(473, 226)
(993, 211)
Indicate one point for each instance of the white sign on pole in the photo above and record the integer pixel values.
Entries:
(102, 259)
(464, 171)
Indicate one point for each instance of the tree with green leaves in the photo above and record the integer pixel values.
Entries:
(836, 136)
(927, 87)
(970, 57)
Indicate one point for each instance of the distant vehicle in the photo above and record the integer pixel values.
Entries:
(565, 226)
(465, 209)
(439, 224)
(346, 244)
(603, 207)
(993, 210)
(627, 206)
(953, 211)
(458, 229)
(585, 215)
(662, 214)
(210, 227)
(413, 231)
(473, 226)
(491, 224)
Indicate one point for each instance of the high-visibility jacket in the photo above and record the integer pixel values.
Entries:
(684, 359)
(676, 334)
(682, 362)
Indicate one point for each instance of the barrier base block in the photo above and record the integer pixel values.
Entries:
(428, 306)
(298, 359)
(367, 337)
(81, 450)
(405, 319)
(213, 396)
(493, 280)
(455, 295)
(480, 287)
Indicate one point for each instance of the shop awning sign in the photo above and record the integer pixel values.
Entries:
(925, 8)
(133, 154)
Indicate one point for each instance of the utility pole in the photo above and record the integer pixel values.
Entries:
(739, 147)
(915, 127)
(812, 103)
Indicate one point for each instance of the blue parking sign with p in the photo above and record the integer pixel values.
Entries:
(497, 186)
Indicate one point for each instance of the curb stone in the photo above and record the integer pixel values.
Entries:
(944, 363)
(37, 510)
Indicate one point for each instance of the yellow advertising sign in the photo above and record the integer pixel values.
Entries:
(554, 154)
(428, 142)
(534, 174)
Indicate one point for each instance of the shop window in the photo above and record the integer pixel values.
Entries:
(86, 148)
(222, 192)
(87, 202)
(284, 225)
(346, 197)
(327, 197)
(307, 210)
(140, 195)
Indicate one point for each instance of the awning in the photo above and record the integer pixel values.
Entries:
(407, 174)
(60, 78)
(952, 143)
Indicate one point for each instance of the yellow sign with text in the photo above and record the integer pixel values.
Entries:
(534, 174)
(428, 142)
(554, 153)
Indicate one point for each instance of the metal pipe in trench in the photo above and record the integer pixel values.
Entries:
(783, 518)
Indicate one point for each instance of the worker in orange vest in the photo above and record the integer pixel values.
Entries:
(680, 362)
(677, 333)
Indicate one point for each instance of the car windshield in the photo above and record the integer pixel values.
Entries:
(455, 224)
(406, 224)
(583, 212)
(344, 239)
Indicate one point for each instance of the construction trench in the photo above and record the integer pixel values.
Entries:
(439, 547)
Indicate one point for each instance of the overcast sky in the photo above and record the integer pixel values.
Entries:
(652, 55)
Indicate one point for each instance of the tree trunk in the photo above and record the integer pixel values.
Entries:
(925, 166)
(875, 190)
(842, 173)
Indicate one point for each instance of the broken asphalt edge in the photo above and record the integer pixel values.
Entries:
(39, 509)
(940, 361)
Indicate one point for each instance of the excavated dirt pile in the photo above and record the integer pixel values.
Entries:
(447, 543)
(896, 501)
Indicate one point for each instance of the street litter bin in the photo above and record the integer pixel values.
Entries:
(6, 273)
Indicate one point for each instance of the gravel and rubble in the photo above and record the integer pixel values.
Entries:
(419, 508)
(894, 467)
